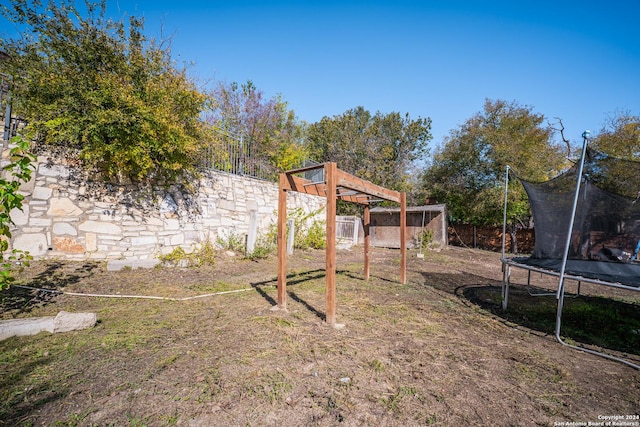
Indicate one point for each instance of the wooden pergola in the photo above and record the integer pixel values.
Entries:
(334, 184)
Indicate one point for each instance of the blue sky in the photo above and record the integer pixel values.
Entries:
(579, 61)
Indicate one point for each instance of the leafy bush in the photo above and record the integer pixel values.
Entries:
(205, 255)
(261, 250)
(99, 90)
(309, 236)
(306, 236)
(424, 238)
(315, 237)
(309, 232)
(19, 170)
(231, 242)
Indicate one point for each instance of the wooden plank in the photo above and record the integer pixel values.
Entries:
(367, 240)
(362, 186)
(330, 252)
(403, 238)
(354, 199)
(306, 168)
(282, 243)
(301, 185)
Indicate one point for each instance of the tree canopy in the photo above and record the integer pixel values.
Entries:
(101, 88)
(467, 172)
(381, 148)
(620, 136)
(268, 128)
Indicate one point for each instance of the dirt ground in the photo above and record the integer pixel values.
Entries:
(436, 351)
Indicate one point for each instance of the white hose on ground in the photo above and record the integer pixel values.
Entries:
(76, 294)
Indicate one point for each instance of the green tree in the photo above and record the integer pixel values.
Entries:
(99, 88)
(18, 171)
(618, 139)
(381, 148)
(269, 130)
(467, 172)
(620, 136)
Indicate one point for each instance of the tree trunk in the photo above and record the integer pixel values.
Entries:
(514, 239)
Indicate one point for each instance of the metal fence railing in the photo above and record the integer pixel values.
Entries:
(9, 123)
(239, 158)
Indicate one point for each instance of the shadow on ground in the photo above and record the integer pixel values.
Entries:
(293, 279)
(22, 297)
(46, 391)
(299, 278)
(600, 322)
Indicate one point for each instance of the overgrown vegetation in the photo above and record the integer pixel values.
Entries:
(424, 238)
(97, 87)
(231, 241)
(268, 131)
(266, 243)
(17, 172)
(204, 254)
(309, 233)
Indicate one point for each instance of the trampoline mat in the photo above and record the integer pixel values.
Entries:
(627, 274)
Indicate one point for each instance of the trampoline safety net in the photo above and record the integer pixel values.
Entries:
(605, 240)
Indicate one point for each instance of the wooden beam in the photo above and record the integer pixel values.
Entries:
(306, 168)
(403, 238)
(367, 220)
(301, 185)
(354, 190)
(353, 198)
(282, 243)
(362, 186)
(330, 173)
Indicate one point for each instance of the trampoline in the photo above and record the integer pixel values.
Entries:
(587, 229)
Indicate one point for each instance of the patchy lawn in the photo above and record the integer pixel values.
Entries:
(437, 351)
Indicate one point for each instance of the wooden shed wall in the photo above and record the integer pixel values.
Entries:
(385, 228)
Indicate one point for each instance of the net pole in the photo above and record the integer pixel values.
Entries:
(505, 283)
(565, 256)
(504, 215)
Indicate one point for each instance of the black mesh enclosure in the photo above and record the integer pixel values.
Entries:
(606, 233)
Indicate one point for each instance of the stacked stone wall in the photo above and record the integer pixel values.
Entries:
(68, 218)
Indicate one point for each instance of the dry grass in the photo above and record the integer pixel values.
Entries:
(436, 351)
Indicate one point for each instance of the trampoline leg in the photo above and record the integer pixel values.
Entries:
(506, 278)
(559, 312)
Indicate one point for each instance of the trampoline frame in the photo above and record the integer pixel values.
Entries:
(562, 275)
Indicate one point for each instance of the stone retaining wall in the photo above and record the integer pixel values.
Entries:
(66, 218)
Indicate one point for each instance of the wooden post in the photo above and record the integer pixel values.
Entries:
(282, 244)
(330, 254)
(367, 220)
(403, 238)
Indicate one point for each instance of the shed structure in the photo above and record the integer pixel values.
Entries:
(334, 184)
(384, 228)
